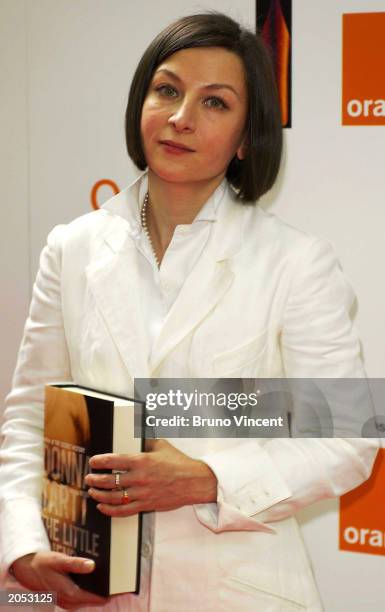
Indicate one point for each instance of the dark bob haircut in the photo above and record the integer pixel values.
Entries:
(256, 174)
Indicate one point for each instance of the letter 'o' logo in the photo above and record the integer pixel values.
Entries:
(351, 535)
(95, 191)
(354, 108)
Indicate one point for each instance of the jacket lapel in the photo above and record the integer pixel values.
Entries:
(203, 289)
(113, 280)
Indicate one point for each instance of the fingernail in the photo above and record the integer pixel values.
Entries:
(89, 564)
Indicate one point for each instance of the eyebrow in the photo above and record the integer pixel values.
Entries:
(172, 74)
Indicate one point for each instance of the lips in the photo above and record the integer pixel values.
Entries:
(176, 145)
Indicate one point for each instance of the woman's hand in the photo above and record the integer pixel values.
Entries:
(163, 478)
(48, 571)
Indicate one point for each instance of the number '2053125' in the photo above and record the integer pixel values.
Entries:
(21, 597)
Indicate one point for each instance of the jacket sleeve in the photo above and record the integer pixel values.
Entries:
(43, 357)
(262, 483)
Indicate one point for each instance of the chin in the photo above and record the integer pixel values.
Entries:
(175, 173)
(170, 175)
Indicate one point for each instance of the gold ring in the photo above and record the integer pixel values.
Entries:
(125, 499)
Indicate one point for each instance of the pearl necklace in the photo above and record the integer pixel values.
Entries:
(143, 216)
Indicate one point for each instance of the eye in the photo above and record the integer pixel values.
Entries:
(215, 102)
(166, 90)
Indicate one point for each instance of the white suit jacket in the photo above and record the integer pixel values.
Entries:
(263, 300)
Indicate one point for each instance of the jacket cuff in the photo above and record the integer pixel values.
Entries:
(248, 484)
(22, 530)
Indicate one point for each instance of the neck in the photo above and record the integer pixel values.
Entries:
(172, 204)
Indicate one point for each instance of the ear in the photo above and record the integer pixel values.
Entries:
(242, 149)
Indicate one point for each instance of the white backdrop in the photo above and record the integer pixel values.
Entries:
(65, 68)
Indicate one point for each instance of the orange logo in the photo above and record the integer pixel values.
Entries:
(362, 515)
(95, 191)
(363, 74)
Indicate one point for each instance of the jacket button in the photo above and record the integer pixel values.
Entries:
(146, 550)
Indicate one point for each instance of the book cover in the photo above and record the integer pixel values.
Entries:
(78, 424)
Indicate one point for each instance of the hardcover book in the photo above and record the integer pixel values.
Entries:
(78, 424)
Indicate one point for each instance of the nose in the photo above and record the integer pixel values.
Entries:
(183, 117)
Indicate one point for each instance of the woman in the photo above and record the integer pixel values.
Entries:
(181, 276)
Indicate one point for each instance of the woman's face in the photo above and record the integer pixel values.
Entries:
(194, 115)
